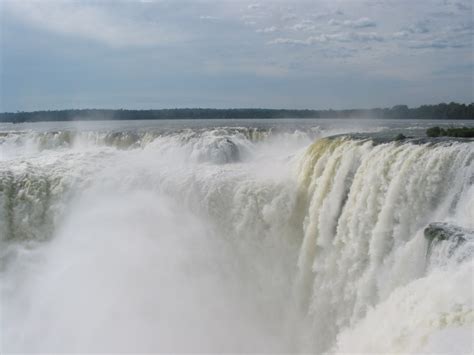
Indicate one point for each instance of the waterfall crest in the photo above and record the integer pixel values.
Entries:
(312, 243)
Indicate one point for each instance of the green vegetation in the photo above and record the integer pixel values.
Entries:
(449, 111)
(463, 132)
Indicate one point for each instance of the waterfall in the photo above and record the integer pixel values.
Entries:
(235, 239)
(367, 207)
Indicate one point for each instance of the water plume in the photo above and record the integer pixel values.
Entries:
(234, 239)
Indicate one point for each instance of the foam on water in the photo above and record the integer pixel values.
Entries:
(232, 239)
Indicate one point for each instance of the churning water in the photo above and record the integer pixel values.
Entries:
(241, 236)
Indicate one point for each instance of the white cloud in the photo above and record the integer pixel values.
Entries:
(350, 37)
(267, 29)
(289, 41)
(362, 22)
(365, 37)
(91, 22)
(400, 35)
(253, 6)
(376, 38)
(419, 27)
(332, 37)
(304, 26)
(208, 18)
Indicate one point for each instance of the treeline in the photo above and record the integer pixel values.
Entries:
(449, 111)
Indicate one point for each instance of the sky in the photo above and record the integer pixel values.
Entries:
(151, 54)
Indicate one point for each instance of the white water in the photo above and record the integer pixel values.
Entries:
(233, 239)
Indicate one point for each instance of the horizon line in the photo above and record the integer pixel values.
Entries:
(236, 108)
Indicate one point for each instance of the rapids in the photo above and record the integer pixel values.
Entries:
(237, 238)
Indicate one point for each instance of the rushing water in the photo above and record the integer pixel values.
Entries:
(241, 236)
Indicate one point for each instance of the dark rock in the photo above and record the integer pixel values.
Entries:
(452, 242)
(436, 232)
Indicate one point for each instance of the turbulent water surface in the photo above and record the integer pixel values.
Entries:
(242, 236)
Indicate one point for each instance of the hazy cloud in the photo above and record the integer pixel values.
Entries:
(253, 6)
(190, 52)
(332, 37)
(289, 17)
(304, 26)
(362, 22)
(419, 27)
(267, 29)
(91, 22)
(436, 44)
(463, 6)
(209, 18)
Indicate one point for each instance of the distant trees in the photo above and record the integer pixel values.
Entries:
(451, 111)
(400, 111)
(446, 111)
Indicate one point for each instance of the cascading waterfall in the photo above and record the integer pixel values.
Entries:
(235, 239)
(363, 236)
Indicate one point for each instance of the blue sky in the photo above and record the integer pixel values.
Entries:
(202, 53)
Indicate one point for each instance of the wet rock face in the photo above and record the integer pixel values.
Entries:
(399, 137)
(448, 244)
(436, 232)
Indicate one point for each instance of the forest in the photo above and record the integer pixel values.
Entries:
(451, 111)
